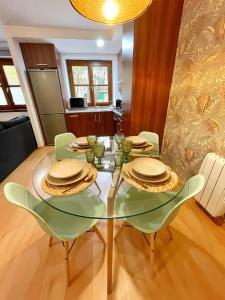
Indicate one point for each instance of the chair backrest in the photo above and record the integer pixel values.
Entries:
(62, 140)
(191, 188)
(20, 196)
(151, 137)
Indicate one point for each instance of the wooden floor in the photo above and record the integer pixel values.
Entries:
(192, 266)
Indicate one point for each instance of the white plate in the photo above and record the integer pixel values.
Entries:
(82, 141)
(157, 179)
(148, 166)
(62, 182)
(137, 140)
(66, 168)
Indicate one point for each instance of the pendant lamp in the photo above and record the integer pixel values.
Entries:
(111, 11)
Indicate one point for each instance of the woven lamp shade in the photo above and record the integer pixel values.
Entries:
(111, 11)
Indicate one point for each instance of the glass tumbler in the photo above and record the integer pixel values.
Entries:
(118, 158)
(99, 150)
(90, 156)
(119, 137)
(92, 139)
(126, 146)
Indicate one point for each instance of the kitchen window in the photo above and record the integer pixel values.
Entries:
(11, 96)
(91, 80)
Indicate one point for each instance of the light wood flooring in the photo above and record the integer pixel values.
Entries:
(192, 266)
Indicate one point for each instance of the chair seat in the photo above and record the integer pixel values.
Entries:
(135, 201)
(68, 226)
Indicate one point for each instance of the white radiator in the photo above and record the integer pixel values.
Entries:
(212, 197)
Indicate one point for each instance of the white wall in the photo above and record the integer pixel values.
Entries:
(88, 56)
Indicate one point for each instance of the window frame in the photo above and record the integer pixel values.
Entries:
(90, 63)
(11, 106)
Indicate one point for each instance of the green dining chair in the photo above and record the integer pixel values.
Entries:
(153, 138)
(134, 201)
(55, 222)
(61, 141)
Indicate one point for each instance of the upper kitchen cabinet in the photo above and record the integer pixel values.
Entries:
(39, 55)
(149, 51)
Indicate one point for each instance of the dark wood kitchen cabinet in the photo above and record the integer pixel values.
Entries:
(81, 124)
(87, 123)
(104, 123)
(38, 55)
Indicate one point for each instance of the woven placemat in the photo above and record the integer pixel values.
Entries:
(146, 149)
(165, 186)
(70, 189)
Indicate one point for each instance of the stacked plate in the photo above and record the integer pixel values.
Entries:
(139, 142)
(80, 143)
(67, 171)
(148, 170)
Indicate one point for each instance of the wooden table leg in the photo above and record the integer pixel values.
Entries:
(109, 255)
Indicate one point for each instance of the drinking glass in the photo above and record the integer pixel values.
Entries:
(118, 158)
(90, 156)
(99, 150)
(126, 146)
(92, 139)
(119, 137)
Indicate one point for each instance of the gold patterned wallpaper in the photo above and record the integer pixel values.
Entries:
(196, 115)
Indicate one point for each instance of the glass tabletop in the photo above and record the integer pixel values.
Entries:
(118, 198)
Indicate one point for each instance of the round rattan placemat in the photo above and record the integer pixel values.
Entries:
(165, 186)
(70, 189)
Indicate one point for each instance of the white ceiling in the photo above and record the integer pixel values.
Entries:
(54, 13)
(86, 46)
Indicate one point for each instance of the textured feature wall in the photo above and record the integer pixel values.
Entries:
(196, 116)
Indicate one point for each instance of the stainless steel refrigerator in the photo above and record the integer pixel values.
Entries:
(48, 97)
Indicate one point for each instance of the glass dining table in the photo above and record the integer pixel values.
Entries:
(116, 192)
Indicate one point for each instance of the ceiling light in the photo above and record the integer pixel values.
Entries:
(111, 11)
(100, 43)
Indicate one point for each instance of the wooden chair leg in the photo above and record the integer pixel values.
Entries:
(67, 263)
(152, 252)
(50, 241)
(169, 232)
(99, 235)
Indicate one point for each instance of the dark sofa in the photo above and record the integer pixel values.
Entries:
(17, 142)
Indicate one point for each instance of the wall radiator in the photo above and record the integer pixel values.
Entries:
(212, 197)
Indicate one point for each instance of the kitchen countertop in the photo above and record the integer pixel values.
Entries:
(94, 109)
